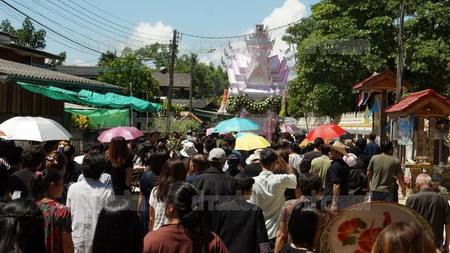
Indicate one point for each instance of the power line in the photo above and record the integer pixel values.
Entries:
(18, 19)
(93, 24)
(123, 20)
(64, 27)
(119, 25)
(235, 36)
(48, 28)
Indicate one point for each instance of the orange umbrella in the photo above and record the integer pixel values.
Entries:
(326, 131)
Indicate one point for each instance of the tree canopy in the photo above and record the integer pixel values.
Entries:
(127, 71)
(27, 35)
(344, 41)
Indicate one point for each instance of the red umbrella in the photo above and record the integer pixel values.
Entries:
(129, 133)
(326, 131)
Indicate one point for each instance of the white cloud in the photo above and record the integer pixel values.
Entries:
(290, 11)
(146, 34)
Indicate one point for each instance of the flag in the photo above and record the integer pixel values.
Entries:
(366, 116)
(363, 98)
(374, 108)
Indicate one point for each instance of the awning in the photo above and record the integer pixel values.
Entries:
(104, 118)
(109, 99)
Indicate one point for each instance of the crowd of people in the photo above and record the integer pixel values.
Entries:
(201, 195)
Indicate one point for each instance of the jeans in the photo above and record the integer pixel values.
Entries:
(381, 196)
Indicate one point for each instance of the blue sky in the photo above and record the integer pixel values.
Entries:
(115, 24)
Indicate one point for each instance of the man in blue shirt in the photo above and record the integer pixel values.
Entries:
(372, 148)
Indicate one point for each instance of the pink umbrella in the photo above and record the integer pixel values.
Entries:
(289, 128)
(129, 133)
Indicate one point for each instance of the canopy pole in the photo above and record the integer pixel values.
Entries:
(131, 108)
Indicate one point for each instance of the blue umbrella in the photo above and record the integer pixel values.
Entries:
(235, 125)
(243, 134)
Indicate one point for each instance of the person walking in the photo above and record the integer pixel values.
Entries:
(337, 178)
(380, 173)
(86, 199)
(268, 191)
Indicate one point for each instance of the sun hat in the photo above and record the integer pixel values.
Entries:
(339, 147)
(217, 155)
(188, 149)
(254, 156)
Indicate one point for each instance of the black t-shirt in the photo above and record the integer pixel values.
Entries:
(337, 173)
(118, 175)
(21, 181)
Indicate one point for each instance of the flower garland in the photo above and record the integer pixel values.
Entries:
(234, 104)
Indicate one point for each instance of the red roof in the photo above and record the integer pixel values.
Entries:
(387, 74)
(435, 100)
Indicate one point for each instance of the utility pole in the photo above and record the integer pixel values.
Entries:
(399, 79)
(172, 66)
(190, 85)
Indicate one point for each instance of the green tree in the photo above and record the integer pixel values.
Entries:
(127, 70)
(27, 35)
(341, 43)
(344, 41)
(6, 26)
(107, 57)
(54, 63)
(427, 45)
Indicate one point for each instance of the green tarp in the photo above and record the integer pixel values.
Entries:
(109, 99)
(104, 118)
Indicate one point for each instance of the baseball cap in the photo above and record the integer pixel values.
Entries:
(217, 155)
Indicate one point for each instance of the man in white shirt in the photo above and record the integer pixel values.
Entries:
(268, 191)
(86, 199)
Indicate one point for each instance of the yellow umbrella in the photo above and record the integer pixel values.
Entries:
(250, 142)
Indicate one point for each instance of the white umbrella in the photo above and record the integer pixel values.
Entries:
(34, 129)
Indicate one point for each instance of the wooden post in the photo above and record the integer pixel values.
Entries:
(420, 136)
(383, 118)
(431, 137)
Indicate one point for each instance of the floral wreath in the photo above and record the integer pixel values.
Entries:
(234, 104)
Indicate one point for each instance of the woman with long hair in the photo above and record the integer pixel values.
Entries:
(118, 229)
(47, 186)
(185, 232)
(173, 171)
(305, 225)
(119, 164)
(58, 161)
(404, 237)
(154, 161)
(21, 227)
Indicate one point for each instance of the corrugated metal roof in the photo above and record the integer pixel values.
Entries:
(415, 98)
(85, 71)
(196, 103)
(29, 73)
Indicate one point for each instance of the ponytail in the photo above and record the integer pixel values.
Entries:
(42, 180)
(184, 197)
(193, 228)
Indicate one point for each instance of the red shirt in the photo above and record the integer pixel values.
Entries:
(172, 238)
